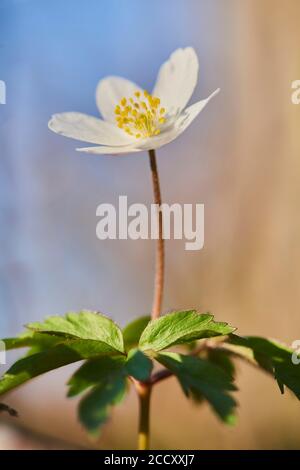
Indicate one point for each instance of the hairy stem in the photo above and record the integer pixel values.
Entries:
(160, 252)
(144, 394)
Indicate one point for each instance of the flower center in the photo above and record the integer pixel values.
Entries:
(140, 116)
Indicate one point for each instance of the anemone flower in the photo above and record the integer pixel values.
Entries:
(133, 119)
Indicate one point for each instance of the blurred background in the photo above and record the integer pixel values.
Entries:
(240, 158)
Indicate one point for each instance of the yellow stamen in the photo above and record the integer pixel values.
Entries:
(140, 118)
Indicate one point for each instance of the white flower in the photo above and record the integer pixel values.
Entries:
(134, 120)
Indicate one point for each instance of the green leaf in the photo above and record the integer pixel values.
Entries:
(199, 378)
(42, 342)
(83, 325)
(95, 372)
(35, 341)
(133, 331)
(58, 356)
(23, 341)
(94, 408)
(138, 365)
(217, 329)
(180, 328)
(271, 356)
(221, 359)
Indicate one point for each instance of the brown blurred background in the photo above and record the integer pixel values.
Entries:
(240, 158)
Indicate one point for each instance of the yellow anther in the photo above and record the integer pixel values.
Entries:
(141, 119)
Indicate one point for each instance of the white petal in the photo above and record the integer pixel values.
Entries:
(179, 126)
(110, 150)
(88, 128)
(110, 91)
(177, 79)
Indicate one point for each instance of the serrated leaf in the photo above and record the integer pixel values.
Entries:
(271, 356)
(138, 365)
(35, 341)
(94, 408)
(221, 359)
(23, 341)
(83, 325)
(42, 342)
(96, 372)
(58, 356)
(180, 328)
(132, 332)
(199, 378)
(217, 329)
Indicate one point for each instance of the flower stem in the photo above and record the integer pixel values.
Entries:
(144, 389)
(160, 252)
(144, 394)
